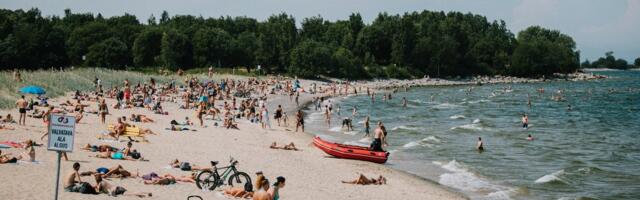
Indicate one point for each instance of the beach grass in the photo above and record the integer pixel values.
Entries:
(57, 82)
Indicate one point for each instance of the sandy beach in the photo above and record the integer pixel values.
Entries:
(310, 173)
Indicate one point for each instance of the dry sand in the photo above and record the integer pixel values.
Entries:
(310, 173)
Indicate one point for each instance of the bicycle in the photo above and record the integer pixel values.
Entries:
(211, 179)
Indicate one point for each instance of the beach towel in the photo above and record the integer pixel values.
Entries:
(12, 144)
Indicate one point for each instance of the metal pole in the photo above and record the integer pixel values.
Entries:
(58, 175)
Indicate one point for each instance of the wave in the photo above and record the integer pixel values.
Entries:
(473, 127)
(424, 142)
(336, 129)
(457, 117)
(476, 121)
(553, 177)
(403, 127)
(460, 177)
(446, 106)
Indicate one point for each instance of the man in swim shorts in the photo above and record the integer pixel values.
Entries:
(525, 121)
(378, 137)
(22, 108)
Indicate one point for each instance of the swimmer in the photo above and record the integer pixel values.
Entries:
(530, 138)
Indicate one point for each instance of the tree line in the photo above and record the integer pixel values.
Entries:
(413, 44)
(610, 61)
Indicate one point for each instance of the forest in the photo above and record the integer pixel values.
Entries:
(414, 44)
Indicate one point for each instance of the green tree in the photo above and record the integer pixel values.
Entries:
(637, 62)
(146, 48)
(81, 38)
(175, 50)
(211, 46)
(543, 52)
(310, 59)
(110, 53)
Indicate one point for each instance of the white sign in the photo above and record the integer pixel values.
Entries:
(61, 131)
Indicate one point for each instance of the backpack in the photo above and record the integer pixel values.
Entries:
(86, 188)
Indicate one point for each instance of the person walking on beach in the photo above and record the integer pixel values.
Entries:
(278, 114)
(327, 115)
(22, 109)
(378, 138)
(210, 72)
(525, 121)
(366, 126)
(102, 111)
(299, 120)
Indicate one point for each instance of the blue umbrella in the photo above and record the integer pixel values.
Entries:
(32, 90)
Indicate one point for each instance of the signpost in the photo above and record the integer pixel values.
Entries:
(61, 133)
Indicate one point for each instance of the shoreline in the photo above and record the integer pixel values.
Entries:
(310, 173)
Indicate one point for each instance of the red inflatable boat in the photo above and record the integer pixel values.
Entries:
(350, 151)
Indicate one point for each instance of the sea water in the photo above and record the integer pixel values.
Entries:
(586, 145)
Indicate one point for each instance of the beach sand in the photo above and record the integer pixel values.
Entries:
(310, 173)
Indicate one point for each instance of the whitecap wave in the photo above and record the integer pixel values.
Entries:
(474, 127)
(457, 117)
(403, 127)
(555, 176)
(476, 121)
(336, 129)
(446, 106)
(460, 177)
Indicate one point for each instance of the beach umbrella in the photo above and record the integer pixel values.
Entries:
(32, 90)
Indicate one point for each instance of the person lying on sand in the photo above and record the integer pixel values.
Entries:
(103, 186)
(289, 146)
(6, 127)
(168, 179)
(7, 158)
(262, 186)
(363, 180)
(7, 119)
(114, 172)
(37, 114)
(141, 118)
(99, 148)
(116, 155)
(186, 166)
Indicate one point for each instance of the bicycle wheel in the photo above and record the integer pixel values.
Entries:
(239, 179)
(207, 179)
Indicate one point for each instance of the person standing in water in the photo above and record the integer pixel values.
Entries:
(525, 121)
(480, 145)
(366, 126)
(378, 138)
(404, 102)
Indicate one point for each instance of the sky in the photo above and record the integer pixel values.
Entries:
(597, 26)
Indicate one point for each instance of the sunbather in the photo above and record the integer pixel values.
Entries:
(141, 118)
(289, 146)
(186, 166)
(103, 186)
(363, 180)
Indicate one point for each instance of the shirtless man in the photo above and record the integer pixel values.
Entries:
(299, 120)
(22, 108)
(525, 121)
(119, 128)
(378, 138)
(366, 126)
(480, 145)
(72, 179)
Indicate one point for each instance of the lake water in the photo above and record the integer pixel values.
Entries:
(591, 151)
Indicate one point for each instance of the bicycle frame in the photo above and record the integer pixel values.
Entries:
(228, 170)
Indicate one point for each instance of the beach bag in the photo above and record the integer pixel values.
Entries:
(185, 166)
(135, 154)
(86, 188)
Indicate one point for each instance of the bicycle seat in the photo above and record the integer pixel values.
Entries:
(214, 163)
